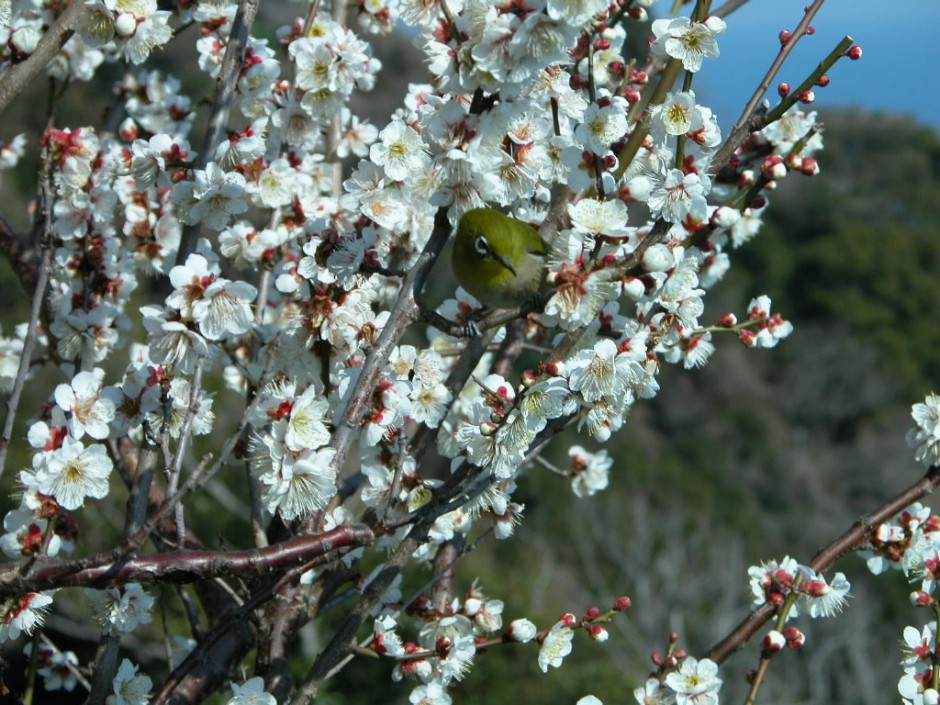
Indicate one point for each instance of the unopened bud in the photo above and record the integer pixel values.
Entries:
(745, 178)
(855, 53)
(528, 379)
(128, 130)
(125, 24)
(822, 81)
(785, 36)
(591, 614)
(795, 638)
(807, 97)
(727, 320)
(809, 166)
(597, 632)
(622, 603)
(783, 89)
(749, 338)
(920, 598)
(632, 95)
(568, 620)
(793, 161)
(773, 642)
(773, 167)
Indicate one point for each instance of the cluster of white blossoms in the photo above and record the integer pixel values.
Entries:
(288, 293)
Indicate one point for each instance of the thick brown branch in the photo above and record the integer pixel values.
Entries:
(178, 566)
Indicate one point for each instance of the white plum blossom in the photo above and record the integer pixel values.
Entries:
(73, 472)
(695, 682)
(690, 42)
(23, 614)
(557, 643)
(589, 471)
(129, 686)
(120, 610)
(90, 407)
(251, 692)
(925, 437)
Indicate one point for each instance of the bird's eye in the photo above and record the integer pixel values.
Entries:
(481, 245)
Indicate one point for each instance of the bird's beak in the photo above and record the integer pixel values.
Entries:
(506, 263)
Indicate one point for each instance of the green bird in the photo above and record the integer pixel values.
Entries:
(501, 261)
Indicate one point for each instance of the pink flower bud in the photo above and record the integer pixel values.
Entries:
(785, 36)
(807, 97)
(783, 89)
(793, 161)
(128, 130)
(622, 603)
(727, 320)
(809, 166)
(632, 95)
(568, 620)
(597, 632)
(749, 338)
(772, 167)
(822, 81)
(795, 638)
(591, 614)
(855, 53)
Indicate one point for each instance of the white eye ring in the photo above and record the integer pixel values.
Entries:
(481, 245)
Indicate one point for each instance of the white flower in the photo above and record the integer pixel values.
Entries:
(130, 688)
(600, 372)
(431, 694)
(601, 127)
(688, 41)
(522, 630)
(679, 195)
(385, 639)
(589, 471)
(22, 614)
(212, 197)
(72, 473)
(91, 410)
(24, 535)
(696, 682)
(401, 151)
(251, 692)
(925, 437)
(771, 329)
(819, 599)
(296, 487)
(557, 644)
(121, 609)
(305, 427)
(595, 217)
(676, 115)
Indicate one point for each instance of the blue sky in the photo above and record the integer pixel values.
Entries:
(897, 73)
